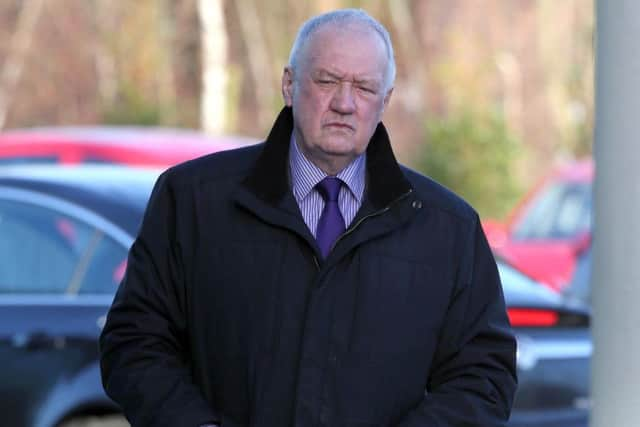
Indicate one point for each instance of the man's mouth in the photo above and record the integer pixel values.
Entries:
(339, 125)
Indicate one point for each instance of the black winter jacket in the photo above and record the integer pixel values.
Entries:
(227, 313)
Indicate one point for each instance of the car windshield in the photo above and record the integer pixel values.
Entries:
(562, 211)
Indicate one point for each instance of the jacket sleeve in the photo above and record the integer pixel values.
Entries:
(472, 379)
(144, 353)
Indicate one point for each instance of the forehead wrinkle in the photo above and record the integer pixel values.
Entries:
(313, 49)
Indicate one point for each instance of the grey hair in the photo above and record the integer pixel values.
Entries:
(342, 18)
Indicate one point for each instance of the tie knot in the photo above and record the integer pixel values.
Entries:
(329, 188)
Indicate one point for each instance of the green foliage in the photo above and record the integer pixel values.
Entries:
(473, 153)
(131, 108)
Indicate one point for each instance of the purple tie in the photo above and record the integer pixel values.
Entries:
(331, 222)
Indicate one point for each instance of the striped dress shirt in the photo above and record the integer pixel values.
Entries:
(304, 177)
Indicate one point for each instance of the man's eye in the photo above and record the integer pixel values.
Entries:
(325, 82)
(367, 89)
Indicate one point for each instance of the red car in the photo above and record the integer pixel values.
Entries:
(550, 227)
(141, 146)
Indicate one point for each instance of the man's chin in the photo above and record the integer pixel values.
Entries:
(338, 149)
(338, 142)
(340, 132)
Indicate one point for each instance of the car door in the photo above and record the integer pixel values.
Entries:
(58, 274)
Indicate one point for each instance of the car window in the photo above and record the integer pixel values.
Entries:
(562, 211)
(93, 159)
(21, 160)
(579, 288)
(103, 271)
(44, 251)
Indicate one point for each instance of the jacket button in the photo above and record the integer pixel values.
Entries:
(417, 204)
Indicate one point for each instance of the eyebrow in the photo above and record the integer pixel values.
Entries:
(365, 81)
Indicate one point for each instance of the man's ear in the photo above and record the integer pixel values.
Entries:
(287, 86)
(387, 97)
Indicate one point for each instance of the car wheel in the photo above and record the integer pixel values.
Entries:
(97, 421)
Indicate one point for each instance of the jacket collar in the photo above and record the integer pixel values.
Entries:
(269, 178)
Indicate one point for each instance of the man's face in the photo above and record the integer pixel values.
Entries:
(338, 94)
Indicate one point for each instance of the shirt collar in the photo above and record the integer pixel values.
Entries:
(305, 175)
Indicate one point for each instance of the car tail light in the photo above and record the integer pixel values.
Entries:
(523, 317)
(546, 318)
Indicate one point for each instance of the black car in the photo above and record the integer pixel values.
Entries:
(64, 236)
(554, 351)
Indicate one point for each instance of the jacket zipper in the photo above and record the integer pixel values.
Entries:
(376, 213)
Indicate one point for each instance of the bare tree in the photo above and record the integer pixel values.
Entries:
(105, 62)
(18, 48)
(214, 66)
(258, 58)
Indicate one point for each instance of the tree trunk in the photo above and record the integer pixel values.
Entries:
(214, 66)
(18, 48)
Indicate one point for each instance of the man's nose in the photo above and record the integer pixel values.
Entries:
(343, 100)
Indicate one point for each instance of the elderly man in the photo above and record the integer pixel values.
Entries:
(311, 280)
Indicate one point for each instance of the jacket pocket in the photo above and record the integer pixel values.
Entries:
(398, 310)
